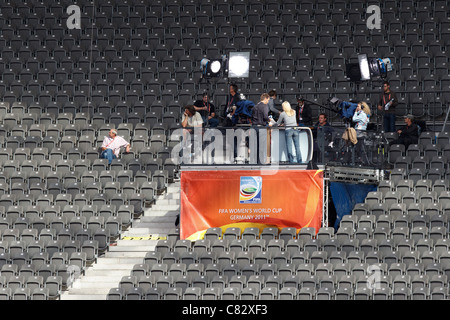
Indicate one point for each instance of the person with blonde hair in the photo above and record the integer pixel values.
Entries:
(292, 134)
(361, 116)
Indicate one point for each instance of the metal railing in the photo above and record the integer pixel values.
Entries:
(266, 146)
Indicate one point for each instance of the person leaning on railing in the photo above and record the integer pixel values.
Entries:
(292, 133)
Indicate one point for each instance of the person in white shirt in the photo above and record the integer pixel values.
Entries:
(191, 118)
(111, 146)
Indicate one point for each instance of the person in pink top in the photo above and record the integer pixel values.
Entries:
(111, 146)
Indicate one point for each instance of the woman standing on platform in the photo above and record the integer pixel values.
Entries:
(292, 133)
(361, 116)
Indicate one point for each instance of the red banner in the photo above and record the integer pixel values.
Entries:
(249, 198)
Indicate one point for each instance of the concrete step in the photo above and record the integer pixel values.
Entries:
(154, 230)
(82, 296)
(173, 195)
(158, 219)
(168, 202)
(166, 205)
(130, 251)
(136, 232)
(93, 289)
(134, 243)
(161, 213)
(106, 282)
(150, 224)
(100, 273)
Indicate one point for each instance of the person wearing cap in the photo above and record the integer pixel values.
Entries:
(111, 146)
(408, 134)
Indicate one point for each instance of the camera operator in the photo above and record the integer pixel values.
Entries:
(359, 113)
(361, 116)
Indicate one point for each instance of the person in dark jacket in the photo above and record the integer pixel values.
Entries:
(323, 134)
(304, 113)
(260, 112)
(261, 120)
(272, 109)
(408, 134)
(232, 99)
(386, 105)
(207, 110)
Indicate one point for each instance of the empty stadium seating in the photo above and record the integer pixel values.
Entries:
(404, 251)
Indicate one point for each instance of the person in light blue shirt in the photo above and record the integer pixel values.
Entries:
(358, 112)
(361, 120)
(292, 133)
(361, 116)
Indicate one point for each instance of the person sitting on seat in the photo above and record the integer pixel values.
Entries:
(408, 134)
(207, 111)
(191, 118)
(111, 146)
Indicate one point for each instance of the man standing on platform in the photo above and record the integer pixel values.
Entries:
(387, 103)
(323, 136)
(233, 98)
(260, 120)
(275, 112)
(260, 112)
(304, 113)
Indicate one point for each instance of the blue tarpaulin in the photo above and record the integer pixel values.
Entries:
(346, 196)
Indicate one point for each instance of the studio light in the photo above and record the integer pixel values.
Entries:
(364, 67)
(236, 65)
(239, 65)
(210, 68)
(215, 66)
(368, 68)
(380, 67)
